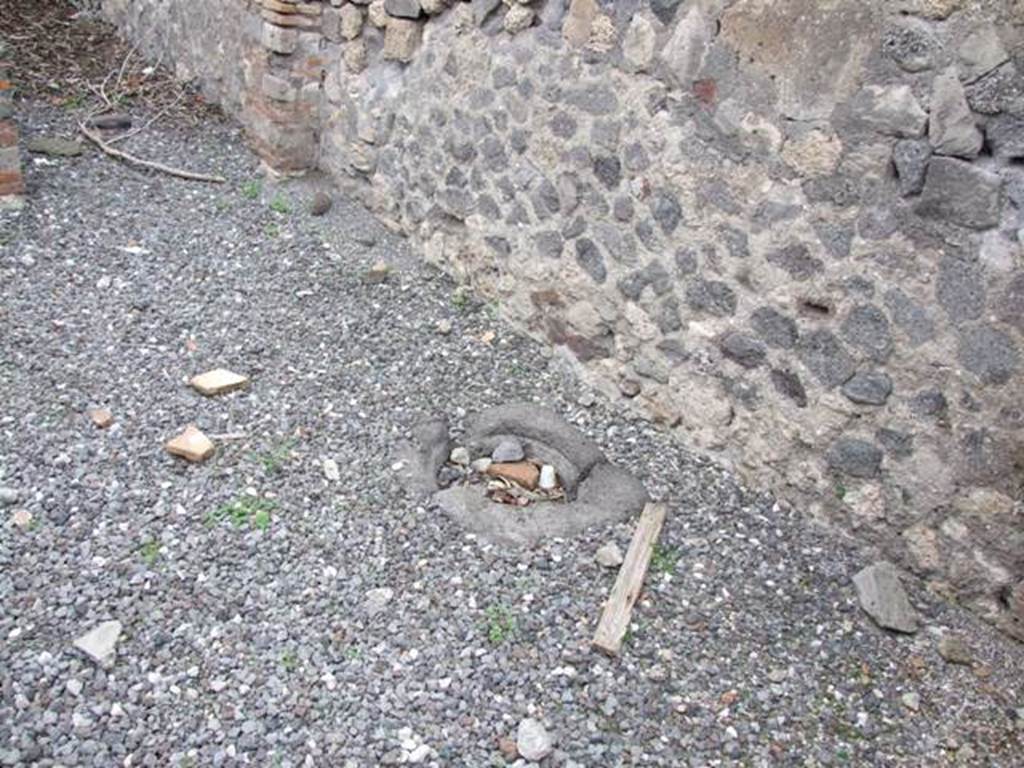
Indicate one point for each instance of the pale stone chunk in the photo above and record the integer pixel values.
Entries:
(191, 445)
(218, 382)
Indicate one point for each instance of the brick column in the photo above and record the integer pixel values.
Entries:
(283, 85)
(12, 183)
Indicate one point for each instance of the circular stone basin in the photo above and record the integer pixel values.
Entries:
(597, 492)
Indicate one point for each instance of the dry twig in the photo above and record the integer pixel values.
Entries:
(154, 166)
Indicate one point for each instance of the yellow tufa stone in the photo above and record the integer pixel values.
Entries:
(218, 382)
(101, 417)
(191, 445)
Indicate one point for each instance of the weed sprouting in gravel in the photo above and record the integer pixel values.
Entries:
(251, 189)
(289, 661)
(280, 205)
(664, 559)
(501, 624)
(461, 299)
(273, 459)
(245, 510)
(273, 230)
(150, 552)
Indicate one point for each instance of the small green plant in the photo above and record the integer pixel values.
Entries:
(74, 101)
(352, 653)
(280, 205)
(245, 510)
(273, 459)
(461, 298)
(289, 661)
(273, 230)
(251, 189)
(840, 491)
(501, 624)
(150, 552)
(664, 559)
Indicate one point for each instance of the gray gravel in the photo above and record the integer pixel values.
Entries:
(343, 622)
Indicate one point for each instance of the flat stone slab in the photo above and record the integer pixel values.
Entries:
(882, 597)
(219, 381)
(191, 445)
(100, 642)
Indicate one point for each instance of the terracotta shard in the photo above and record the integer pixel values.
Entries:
(191, 445)
(218, 381)
(520, 472)
(101, 417)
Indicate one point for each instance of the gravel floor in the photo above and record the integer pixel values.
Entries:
(253, 643)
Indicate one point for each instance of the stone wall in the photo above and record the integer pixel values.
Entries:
(790, 231)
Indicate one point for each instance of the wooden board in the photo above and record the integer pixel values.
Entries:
(617, 610)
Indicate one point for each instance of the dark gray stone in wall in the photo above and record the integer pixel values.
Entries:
(608, 171)
(574, 228)
(960, 289)
(712, 297)
(989, 353)
(929, 402)
(868, 388)
(549, 244)
(717, 193)
(636, 157)
(1006, 136)
(666, 210)
(563, 125)
(736, 241)
(855, 457)
(867, 328)
(911, 156)
(836, 238)
(960, 192)
(910, 43)
(877, 223)
(593, 99)
(824, 356)
(796, 259)
(743, 349)
(667, 317)
(897, 444)
(403, 9)
(788, 385)
(1001, 90)
(674, 351)
(686, 261)
(622, 208)
(774, 328)
(909, 317)
(1010, 304)
(665, 10)
(589, 257)
(840, 190)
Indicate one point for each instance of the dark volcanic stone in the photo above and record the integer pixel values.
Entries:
(868, 388)
(796, 259)
(743, 349)
(897, 444)
(609, 171)
(961, 193)
(824, 356)
(854, 457)
(788, 384)
(910, 156)
(774, 328)
(989, 353)
(589, 257)
(711, 296)
(666, 210)
(867, 328)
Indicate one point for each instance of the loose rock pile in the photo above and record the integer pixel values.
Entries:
(509, 476)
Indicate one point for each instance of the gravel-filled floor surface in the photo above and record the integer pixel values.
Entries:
(274, 617)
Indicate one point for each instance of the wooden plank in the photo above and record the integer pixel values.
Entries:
(617, 610)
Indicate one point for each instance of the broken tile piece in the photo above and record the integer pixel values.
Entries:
(218, 381)
(100, 642)
(521, 472)
(191, 445)
(101, 417)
